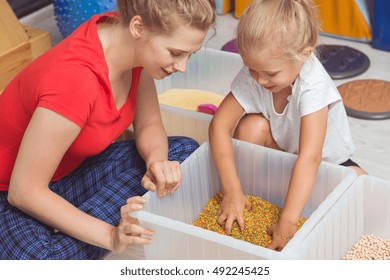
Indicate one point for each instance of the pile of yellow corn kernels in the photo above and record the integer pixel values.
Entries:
(257, 220)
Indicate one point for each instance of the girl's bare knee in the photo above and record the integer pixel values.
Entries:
(359, 171)
(253, 128)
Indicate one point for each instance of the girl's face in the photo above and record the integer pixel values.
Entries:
(274, 74)
(163, 55)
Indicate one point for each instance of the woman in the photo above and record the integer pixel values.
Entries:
(66, 188)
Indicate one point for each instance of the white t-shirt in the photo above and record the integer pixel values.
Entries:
(312, 91)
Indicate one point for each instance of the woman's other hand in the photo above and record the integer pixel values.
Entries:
(128, 231)
(163, 177)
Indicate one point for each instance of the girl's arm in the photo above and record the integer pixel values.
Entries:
(152, 143)
(220, 131)
(47, 138)
(304, 173)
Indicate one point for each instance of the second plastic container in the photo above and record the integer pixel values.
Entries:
(363, 210)
(210, 70)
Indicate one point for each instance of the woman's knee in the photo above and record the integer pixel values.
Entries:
(180, 147)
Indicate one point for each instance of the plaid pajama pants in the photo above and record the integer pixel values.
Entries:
(99, 187)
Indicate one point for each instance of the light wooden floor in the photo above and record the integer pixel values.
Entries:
(372, 138)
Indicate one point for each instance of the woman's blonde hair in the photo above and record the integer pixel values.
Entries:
(286, 27)
(164, 16)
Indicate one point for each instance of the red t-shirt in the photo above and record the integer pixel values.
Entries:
(72, 80)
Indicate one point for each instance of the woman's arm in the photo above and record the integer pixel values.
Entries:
(220, 131)
(151, 140)
(304, 173)
(47, 138)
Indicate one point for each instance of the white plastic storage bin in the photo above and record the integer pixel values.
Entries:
(363, 209)
(209, 69)
(263, 172)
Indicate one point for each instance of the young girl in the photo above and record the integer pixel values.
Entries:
(66, 186)
(282, 99)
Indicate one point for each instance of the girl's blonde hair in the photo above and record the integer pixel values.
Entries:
(164, 16)
(286, 27)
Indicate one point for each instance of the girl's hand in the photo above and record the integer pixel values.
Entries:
(281, 233)
(231, 209)
(163, 177)
(128, 231)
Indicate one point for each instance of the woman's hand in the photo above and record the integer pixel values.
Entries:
(232, 209)
(163, 177)
(128, 231)
(281, 233)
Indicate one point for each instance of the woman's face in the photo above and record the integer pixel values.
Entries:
(162, 56)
